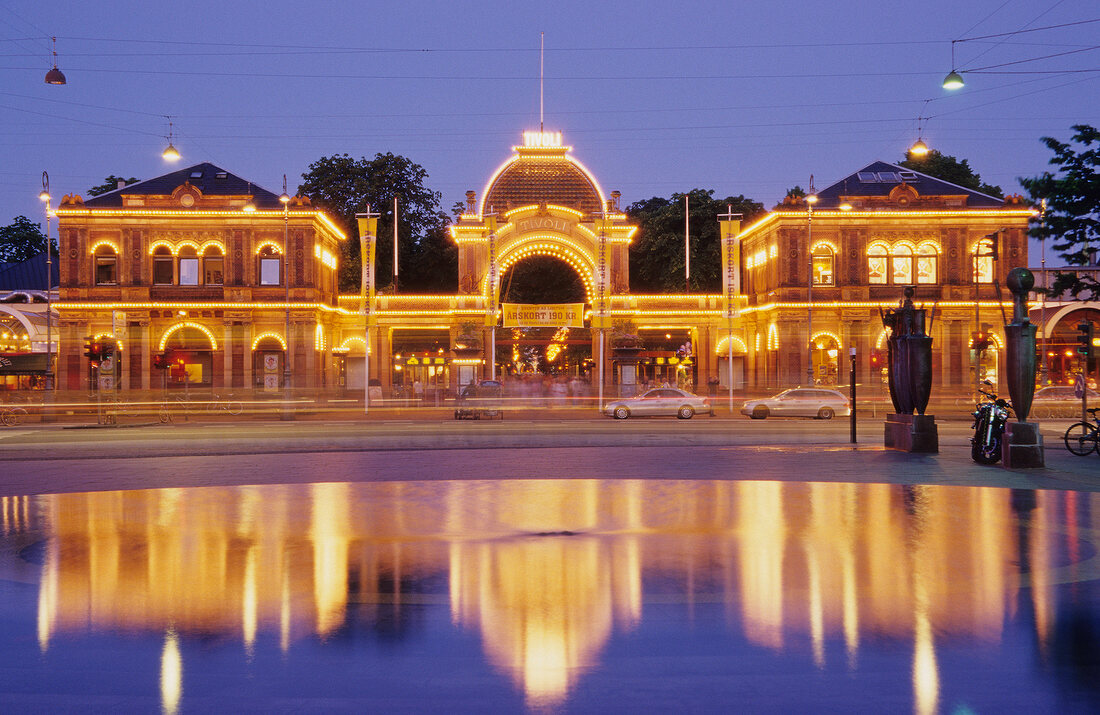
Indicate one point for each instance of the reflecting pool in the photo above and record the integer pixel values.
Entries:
(552, 595)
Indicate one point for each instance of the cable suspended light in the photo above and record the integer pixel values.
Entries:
(55, 76)
(919, 148)
(170, 153)
(953, 80)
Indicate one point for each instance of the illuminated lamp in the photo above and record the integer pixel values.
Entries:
(55, 76)
(919, 148)
(811, 199)
(953, 80)
(845, 206)
(170, 153)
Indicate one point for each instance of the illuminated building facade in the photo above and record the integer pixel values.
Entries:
(855, 249)
(177, 263)
(194, 262)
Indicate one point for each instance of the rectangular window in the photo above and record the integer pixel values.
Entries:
(106, 271)
(212, 270)
(926, 269)
(902, 270)
(984, 269)
(269, 271)
(823, 270)
(189, 271)
(876, 269)
(162, 271)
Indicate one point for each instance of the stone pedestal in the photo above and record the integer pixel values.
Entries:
(911, 433)
(1022, 446)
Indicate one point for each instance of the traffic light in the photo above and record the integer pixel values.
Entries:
(106, 350)
(91, 349)
(161, 361)
(1084, 340)
(981, 341)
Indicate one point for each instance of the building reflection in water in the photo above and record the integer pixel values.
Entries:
(545, 571)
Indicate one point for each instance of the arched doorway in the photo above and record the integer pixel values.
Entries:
(554, 350)
(1063, 362)
(826, 357)
(268, 361)
(734, 379)
(191, 347)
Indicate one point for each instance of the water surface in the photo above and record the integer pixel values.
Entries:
(551, 595)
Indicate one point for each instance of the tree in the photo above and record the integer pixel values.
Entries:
(1072, 216)
(343, 186)
(657, 256)
(948, 168)
(110, 184)
(20, 240)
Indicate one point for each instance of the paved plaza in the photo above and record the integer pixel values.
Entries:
(428, 445)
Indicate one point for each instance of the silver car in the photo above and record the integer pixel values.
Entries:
(800, 402)
(1059, 401)
(660, 401)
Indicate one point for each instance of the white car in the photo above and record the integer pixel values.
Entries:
(660, 401)
(800, 402)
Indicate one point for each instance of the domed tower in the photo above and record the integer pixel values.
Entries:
(542, 172)
(542, 201)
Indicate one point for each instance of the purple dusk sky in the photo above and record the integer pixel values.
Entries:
(655, 98)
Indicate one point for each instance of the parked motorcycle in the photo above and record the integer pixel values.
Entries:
(990, 418)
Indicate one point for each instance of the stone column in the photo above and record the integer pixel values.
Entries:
(313, 371)
(227, 353)
(146, 356)
(246, 345)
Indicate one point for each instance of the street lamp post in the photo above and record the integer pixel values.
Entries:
(811, 199)
(1043, 370)
(45, 196)
(284, 198)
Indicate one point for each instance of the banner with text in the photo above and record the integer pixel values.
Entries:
(368, 229)
(553, 315)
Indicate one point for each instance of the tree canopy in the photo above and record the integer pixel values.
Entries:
(344, 186)
(1072, 215)
(657, 255)
(948, 168)
(20, 240)
(110, 184)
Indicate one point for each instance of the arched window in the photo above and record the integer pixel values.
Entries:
(189, 266)
(876, 263)
(822, 260)
(163, 269)
(901, 265)
(982, 261)
(271, 266)
(106, 266)
(927, 256)
(213, 265)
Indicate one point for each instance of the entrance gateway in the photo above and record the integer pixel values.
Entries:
(541, 202)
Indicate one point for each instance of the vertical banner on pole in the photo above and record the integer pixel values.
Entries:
(731, 260)
(491, 293)
(368, 237)
(600, 320)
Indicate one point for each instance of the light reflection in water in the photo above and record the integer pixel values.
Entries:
(546, 571)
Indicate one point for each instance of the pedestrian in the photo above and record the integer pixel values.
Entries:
(418, 390)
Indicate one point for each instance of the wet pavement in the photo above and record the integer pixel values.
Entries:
(553, 595)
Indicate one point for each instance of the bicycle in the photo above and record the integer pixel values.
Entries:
(231, 406)
(12, 415)
(1082, 438)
